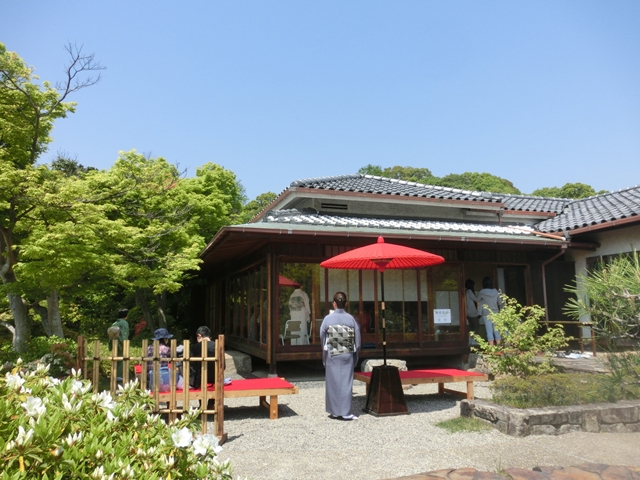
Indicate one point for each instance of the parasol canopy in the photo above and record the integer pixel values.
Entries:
(381, 256)
(287, 282)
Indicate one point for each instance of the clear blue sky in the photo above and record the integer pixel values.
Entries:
(538, 92)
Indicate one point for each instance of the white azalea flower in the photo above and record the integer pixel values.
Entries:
(182, 438)
(104, 400)
(98, 473)
(23, 437)
(14, 381)
(52, 382)
(73, 438)
(206, 443)
(169, 461)
(77, 387)
(34, 407)
(111, 417)
(66, 403)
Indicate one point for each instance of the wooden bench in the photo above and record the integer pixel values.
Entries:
(434, 375)
(252, 387)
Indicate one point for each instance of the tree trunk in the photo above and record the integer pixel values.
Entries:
(53, 306)
(43, 313)
(161, 302)
(19, 309)
(143, 303)
(20, 313)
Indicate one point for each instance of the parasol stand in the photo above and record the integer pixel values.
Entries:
(385, 396)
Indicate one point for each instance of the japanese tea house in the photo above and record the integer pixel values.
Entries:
(527, 245)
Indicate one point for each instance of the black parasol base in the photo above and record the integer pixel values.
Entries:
(386, 396)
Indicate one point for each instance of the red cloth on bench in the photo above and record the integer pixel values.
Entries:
(247, 384)
(432, 373)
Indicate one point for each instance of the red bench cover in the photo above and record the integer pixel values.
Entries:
(247, 384)
(432, 373)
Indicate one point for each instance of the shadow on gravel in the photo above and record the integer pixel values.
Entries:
(416, 403)
(257, 412)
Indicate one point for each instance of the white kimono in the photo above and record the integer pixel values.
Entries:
(300, 311)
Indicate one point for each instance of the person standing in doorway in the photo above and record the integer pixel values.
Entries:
(340, 337)
(489, 302)
(473, 317)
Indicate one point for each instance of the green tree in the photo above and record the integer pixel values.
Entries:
(254, 207)
(480, 182)
(568, 190)
(216, 198)
(27, 114)
(409, 174)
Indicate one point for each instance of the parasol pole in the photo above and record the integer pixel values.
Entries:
(382, 263)
(384, 324)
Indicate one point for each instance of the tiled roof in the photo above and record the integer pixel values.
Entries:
(297, 217)
(595, 210)
(390, 186)
(525, 203)
(570, 214)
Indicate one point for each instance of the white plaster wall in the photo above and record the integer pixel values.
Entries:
(611, 242)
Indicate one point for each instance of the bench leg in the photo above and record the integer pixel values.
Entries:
(469, 390)
(272, 406)
(440, 388)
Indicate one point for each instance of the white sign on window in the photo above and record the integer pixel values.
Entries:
(441, 315)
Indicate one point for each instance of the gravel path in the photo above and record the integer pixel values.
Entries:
(300, 443)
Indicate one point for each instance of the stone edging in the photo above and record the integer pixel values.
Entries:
(623, 416)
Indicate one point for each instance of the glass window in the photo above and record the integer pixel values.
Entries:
(299, 303)
(446, 308)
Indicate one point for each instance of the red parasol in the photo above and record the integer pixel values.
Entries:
(287, 282)
(380, 256)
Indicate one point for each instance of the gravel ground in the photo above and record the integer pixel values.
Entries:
(300, 443)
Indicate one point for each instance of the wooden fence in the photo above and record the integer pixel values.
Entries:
(172, 400)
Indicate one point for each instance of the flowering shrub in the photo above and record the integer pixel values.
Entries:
(60, 429)
(522, 341)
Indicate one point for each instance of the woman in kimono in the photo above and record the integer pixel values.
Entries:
(340, 336)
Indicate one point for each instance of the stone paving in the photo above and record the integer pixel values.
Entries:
(587, 471)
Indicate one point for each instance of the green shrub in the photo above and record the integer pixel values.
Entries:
(521, 343)
(58, 353)
(557, 390)
(52, 429)
(625, 373)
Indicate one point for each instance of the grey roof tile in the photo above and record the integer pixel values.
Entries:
(525, 203)
(595, 210)
(389, 186)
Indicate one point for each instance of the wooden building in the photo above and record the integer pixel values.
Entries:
(252, 270)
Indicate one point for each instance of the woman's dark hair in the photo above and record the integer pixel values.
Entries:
(487, 282)
(123, 313)
(469, 284)
(341, 299)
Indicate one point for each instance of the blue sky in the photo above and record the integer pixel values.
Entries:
(539, 92)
